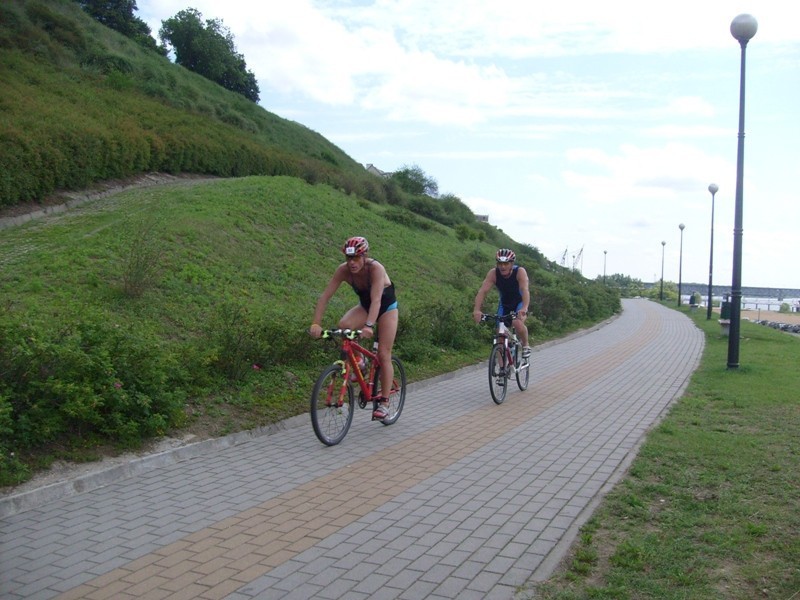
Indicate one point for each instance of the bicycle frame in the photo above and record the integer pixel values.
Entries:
(351, 348)
(505, 336)
(502, 335)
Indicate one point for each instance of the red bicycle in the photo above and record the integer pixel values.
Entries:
(333, 398)
(506, 357)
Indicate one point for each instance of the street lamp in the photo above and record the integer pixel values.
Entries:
(743, 28)
(661, 295)
(680, 265)
(713, 189)
(605, 253)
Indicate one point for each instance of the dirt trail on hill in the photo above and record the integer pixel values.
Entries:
(61, 201)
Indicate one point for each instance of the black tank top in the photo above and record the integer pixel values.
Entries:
(365, 296)
(510, 294)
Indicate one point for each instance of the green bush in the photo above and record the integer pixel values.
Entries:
(465, 232)
(232, 341)
(451, 325)
(409, 219)
(87, 378)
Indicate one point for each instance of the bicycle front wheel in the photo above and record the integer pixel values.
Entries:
(397, 395)
(331, 406)
(498, 375)
(524, 373)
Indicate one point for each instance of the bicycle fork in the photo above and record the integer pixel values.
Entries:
(332, 398)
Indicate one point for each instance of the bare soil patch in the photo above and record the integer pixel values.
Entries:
(62, 200)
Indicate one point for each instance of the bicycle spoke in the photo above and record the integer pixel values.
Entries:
(397, 395)
(331, 406)
(524, 374)
(498, 374)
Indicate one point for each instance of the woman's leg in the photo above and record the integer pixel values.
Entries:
(353, 318)
(387, 327)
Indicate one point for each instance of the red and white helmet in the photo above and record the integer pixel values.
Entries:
(505, 255)
(355, 246)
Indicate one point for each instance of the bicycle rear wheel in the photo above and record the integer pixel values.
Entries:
(498, 375)
(524, 373)
(397, 395)
(331, 406)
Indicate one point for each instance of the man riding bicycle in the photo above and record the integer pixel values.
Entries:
(511, 280)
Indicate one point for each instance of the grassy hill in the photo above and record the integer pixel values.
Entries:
(82, 103)
(185, 306)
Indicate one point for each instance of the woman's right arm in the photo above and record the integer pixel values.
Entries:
(316, 328)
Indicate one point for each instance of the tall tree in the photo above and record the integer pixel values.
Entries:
(208, 49)
(118, 15)
(414, 181)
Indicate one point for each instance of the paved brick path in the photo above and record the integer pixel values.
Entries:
(461, 498)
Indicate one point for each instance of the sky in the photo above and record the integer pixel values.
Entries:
(588, 130)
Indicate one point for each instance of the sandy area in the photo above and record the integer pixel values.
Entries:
(771, 315)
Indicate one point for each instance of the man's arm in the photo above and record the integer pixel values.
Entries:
(524, 285)
(487, 284)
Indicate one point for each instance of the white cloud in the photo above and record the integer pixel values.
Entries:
(639, 173)
(687, 131)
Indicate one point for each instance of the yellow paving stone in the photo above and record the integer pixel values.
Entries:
(211, 564)
(237, 540)
(189, 592)
(251, 573)
(173, 558)
(178, 582)
(218, 576)
(152, 582)
(221, 590)
(179, 569)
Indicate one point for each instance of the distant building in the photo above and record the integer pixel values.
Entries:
(376, 171)
(482, 218)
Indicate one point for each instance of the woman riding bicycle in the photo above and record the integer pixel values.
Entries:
(377, 306)
(512, 282)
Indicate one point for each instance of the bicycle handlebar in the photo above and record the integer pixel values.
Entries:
(350, 334)
(506, 319)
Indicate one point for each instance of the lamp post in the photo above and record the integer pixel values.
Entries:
(713, 189)
(743, 28)
(661, 295)
(680, 265)
(605, 253)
